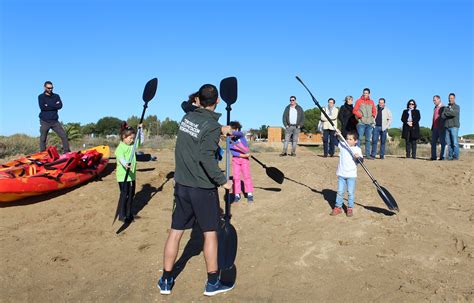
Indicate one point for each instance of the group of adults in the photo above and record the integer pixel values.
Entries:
(373, 121)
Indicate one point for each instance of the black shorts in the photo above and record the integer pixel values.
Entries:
(195, 204)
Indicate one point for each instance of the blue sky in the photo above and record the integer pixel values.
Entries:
(99, 55)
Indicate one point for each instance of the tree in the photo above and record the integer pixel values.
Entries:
(88, 129)
(311, 120)
(108, 126)
(263, 132)
(169, 128)
(395, 133)
(133, 121)
(73, 133)
(425, 135)
(152, 124)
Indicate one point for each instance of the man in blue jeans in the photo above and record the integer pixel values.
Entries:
(451, 127)
(365, 112)
(437, 129)
(383, 120)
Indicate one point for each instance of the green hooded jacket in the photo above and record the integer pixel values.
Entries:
(196, 145)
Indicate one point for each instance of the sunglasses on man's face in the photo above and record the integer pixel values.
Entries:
(292, 100)
(411, 103)
(49, 87)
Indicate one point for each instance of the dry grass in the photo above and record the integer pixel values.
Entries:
(18, 144)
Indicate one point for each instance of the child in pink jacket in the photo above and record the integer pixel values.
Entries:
(240, 162)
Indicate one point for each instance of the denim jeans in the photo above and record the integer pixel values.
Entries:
(341, 189)
(382, 134)
(291, 132)
(452, 142)
(438, 134)
(365, 130)
(329, 141)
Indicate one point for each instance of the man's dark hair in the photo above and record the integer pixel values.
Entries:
(48, 82)
(292, 97)
(382, 99)
(437, 97)
(208, 95)
(366, 89)
(352, 133)
(332, 100)
(452, 94)
(235, 125)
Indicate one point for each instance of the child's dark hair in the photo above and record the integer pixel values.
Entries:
(353, 134)
(235, 125)
(208, 95)
(192, 97)
(126, 130)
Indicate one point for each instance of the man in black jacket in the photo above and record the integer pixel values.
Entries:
(293, 120)
(49, 104)
(197, 176)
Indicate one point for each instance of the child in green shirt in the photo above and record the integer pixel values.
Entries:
(126, 159)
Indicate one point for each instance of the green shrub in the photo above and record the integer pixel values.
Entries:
(18, 144)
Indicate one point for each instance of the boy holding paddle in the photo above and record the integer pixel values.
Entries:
(347, 173)
(197, 176)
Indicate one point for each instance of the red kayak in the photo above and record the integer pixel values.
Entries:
(48, 171)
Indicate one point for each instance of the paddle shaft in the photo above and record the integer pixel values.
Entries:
(227, 214)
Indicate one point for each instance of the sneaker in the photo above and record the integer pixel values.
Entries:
(250, 199)
(237, 198)
(336, 211)
(293, 154)
(214, 289)
(165, 286)
(283, 154)
(350, 212)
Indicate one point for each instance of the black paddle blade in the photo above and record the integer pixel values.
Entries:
(387, 198)
(228, 90)
(228, 276)
(150, 89)
(275, 174)
(227, 249)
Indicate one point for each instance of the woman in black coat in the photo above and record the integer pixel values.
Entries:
(411, 128)
(347, 118)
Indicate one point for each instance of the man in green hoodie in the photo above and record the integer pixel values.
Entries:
(197, 176)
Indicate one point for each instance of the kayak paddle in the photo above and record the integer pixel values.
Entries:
(227, 235)
(383, 192)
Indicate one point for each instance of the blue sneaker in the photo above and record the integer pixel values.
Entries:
(250, 199)
(165, 286)
(214, 289)
(236, 198)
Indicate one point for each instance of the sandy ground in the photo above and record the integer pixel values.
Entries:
(63, 248)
